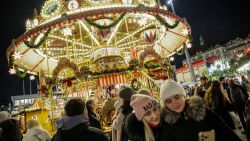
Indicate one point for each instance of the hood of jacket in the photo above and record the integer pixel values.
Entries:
(194, 109)
(66, 123)
(38, 131)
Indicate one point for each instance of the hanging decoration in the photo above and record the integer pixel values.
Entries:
(167, 25)
(105, 26)
(65, 63)
(12, 71)
(103, 33)
(147, 52)
(21, 74)
(182, 50)
(44, 90)
(68, 82)
(149, 35)
(31, 45)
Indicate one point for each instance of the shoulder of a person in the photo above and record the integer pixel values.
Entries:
(98, 133)
(94, 130)
(210, 115)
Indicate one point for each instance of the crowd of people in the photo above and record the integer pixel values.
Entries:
(210, 112)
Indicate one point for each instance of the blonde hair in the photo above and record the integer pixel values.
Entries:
(144, 91)
(149, 135)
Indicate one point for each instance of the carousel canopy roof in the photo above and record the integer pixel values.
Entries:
(84, 31)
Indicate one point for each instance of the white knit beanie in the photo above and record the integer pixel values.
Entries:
(170, 88)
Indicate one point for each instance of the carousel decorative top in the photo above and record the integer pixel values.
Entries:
(94, 32)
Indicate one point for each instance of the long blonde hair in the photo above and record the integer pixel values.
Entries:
(149, 135)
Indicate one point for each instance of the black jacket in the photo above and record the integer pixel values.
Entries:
(126, 111)
(94, 121)
(195, 118)
(81, 132)
(135, 129)
(10, 130)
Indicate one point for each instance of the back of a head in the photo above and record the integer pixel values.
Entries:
(231, 81)
(216, 86)
(144, 91)
(32, 123)
(4, 116)
(74, 106)
(222, 78)
(203, 78)
(126, 92)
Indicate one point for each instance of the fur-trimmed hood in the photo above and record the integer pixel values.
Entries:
(194, 109)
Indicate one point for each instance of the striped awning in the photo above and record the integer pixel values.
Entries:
(110, 79)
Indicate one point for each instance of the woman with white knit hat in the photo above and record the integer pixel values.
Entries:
(188, 119)
(143, 124)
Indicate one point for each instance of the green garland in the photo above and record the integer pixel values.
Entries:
(167, 25)
(31, 45)
(151, 66)
(10, 60)
(105, 27)
(190, 37)
(21, 74)
(182, 50)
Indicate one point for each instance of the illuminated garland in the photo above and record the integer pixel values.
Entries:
(167, 25)
(151, 66)
(31, 45)
(105, 27)
(10, 60)
(21, 74)
(190, 38)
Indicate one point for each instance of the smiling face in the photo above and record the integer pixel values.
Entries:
(175, 103)
(152, 116)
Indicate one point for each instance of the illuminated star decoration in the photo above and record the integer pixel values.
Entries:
(67, 31)
(32, 77)
(17, 55)
(171, 58)
(188, 45)
(142, 21)
(12, 71)
(184, 31)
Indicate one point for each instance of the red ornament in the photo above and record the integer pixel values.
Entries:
(136, 73)
(69, 83)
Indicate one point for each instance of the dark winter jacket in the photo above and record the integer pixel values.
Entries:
(77, 129)
(135, 129)
(126, 111)
(239, 95)
(10, 130)
(195, 118)
(93, 119)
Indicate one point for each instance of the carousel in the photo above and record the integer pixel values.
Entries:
(88, 47)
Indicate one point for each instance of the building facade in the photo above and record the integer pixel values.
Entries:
(234, 49)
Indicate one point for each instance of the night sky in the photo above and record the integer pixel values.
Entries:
(217, 21)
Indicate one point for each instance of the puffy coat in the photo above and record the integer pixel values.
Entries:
(195, 118)
(36, 134)
(76, 128)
